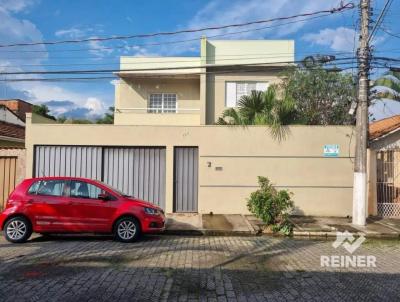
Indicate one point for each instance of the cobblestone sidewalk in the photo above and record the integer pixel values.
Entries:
(168, 268)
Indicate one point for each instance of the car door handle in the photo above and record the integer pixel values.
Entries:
(30, 201)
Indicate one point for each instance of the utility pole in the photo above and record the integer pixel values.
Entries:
(360, 163)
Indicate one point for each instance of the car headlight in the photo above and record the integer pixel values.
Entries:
(151, 211)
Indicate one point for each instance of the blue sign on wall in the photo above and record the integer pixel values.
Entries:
(331, 150)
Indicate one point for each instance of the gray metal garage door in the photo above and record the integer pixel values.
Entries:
(137, 171)
(74, 161)
(186, 170)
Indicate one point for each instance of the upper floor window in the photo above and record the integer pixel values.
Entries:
(235, 90)
(162, 103)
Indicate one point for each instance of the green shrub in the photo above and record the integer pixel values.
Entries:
(272, 206)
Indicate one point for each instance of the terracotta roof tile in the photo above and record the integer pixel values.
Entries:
(11, 130)
(385, 126)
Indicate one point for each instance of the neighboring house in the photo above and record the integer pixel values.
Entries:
(11, 135)
(18, 107)
(196, 90)
(165, 148)
(12, 129)
(384, 158)
(12, 145)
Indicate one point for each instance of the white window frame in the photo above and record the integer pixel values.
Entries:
(229, 103)
(162, 109)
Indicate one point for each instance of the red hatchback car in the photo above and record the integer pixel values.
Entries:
(76, 205)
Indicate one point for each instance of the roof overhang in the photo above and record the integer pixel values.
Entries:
(12, 139)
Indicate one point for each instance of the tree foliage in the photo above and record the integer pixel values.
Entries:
(108, 117)
(387, 86)
(64, 120)
(262, 108)
(43, 110)
(322, 97)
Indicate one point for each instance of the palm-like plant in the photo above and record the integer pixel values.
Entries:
(263, 108)
(388, 86)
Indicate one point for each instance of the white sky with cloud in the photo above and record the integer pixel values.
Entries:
(16, 29)
(337, 39)
(227, 12)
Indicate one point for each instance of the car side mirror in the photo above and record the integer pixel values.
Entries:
(104, 197)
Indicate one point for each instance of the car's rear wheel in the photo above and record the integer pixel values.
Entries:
(127, 229)
(17, 229)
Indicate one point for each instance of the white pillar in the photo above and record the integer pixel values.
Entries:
(359, 198)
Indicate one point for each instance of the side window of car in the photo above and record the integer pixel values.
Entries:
(34, 188)
(50, 187)
(81, 189)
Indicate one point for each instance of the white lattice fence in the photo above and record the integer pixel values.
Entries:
(389, 209)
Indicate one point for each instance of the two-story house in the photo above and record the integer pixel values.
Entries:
(164, 146)
(195, 90)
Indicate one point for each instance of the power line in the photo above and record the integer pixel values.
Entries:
(117, 59)
(391, 34)
(166, 42)
(380, 19)
(142, 76)
(91, 71)
(195, 59)
(387, 59)
(341, 8)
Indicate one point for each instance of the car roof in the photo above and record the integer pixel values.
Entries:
(61, 178)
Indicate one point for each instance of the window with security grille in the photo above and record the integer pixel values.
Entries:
(155, 103)
(235, 90)
(162, 103)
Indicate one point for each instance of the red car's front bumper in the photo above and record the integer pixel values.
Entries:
(153, 223)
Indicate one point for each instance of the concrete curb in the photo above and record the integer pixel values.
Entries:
(295, 234)
(250, 228)
(303, 234)
(204, 232)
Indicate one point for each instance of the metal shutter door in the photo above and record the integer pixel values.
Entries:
(186, 164)
(68, 161)
(137, 171)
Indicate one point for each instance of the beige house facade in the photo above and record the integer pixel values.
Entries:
(229, 161)
(196, 90)
(164, 145)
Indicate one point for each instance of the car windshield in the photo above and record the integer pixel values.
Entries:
(114, 189)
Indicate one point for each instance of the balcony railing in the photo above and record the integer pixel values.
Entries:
(159, 110)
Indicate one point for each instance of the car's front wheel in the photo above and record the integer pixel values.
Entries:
(17, 230)
(127, 229)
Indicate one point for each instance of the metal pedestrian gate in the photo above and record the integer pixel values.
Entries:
(8, 166)
(136, 171)
(388, 183)
(186, 170)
